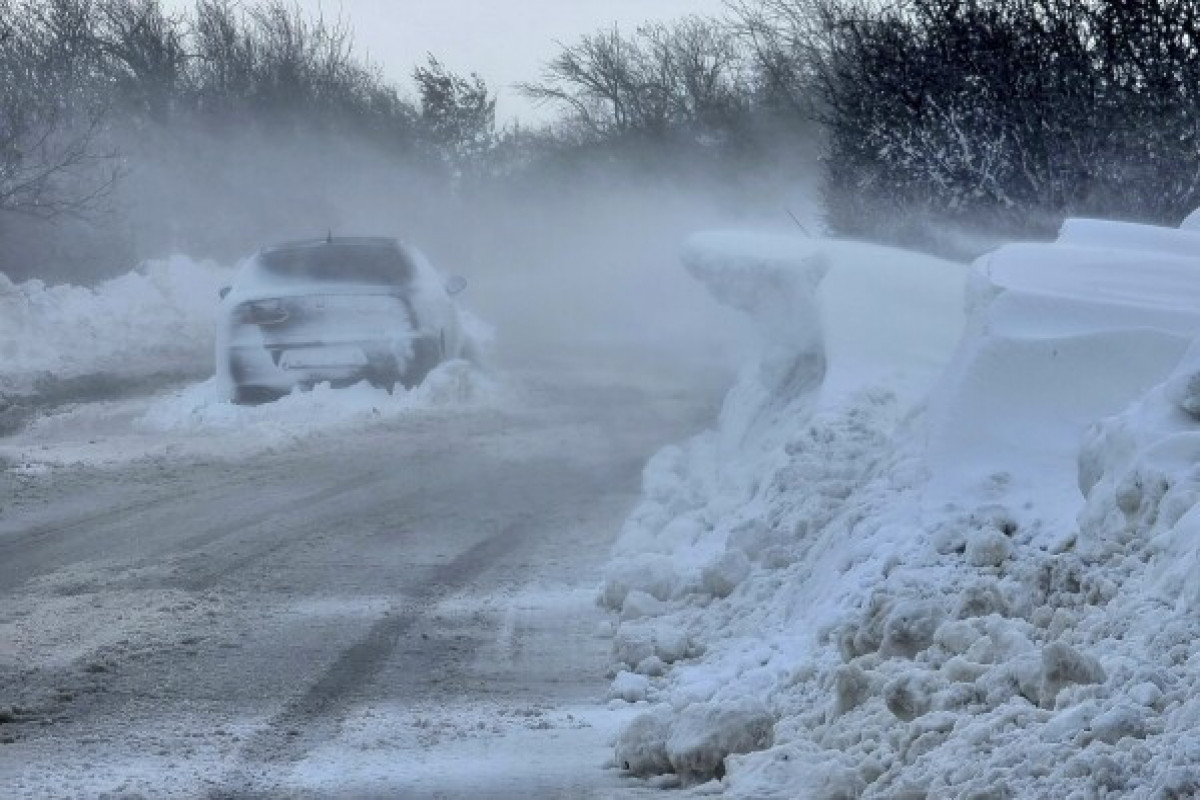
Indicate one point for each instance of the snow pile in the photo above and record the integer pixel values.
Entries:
(203, 409)
(157, 318)
(1140, 471)
(844, 591)
(854, 335)
(848, 340)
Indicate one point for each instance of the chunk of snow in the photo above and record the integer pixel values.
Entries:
(704, 734)
(638, 604)
(723, 575)
(1063, 665)
(652, 574)
(629, 687)
(641, 747)
(1118, 723)
(988, 548)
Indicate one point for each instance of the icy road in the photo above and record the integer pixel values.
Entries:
(400, 608)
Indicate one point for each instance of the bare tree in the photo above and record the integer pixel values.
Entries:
(224, 55)
(792, 44)
(663, 79)
(52, 161)
(458, 116)
(593, 81)
(144, 52)
(271, 60)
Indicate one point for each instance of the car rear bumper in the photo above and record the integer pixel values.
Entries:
(277, 369)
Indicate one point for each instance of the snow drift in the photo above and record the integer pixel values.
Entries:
(1060, 336)
(158, 318)
(909, 563)
(203, 409)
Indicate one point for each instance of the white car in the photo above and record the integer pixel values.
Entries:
(338, 310)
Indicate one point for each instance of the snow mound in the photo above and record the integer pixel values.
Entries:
(157, 318)
(840, 329)
(202, 408)
(988, 593)
(695, 743)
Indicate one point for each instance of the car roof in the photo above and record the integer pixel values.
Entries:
(363, 241)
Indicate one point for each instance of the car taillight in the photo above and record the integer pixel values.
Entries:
(262, 312)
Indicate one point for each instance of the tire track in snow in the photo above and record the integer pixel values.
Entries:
(30, 553)
(202, 579)
(23, 556)
(313, 718)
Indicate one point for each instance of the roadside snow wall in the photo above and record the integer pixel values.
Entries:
(158, 318)
(1060, 336)
(892, 570)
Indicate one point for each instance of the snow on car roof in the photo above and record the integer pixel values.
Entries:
(365, 241)
(358, 260)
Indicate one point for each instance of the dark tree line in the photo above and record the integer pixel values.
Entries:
(670, 97)
(50, 160)
(1000, 115)
(997, 117)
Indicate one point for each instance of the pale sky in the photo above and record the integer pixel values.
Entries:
(505, 41)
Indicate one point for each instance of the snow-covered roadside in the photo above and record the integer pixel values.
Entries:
(197, 421)
(158, 318)
(847, 589)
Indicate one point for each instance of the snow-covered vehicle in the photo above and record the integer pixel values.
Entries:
(340, 310)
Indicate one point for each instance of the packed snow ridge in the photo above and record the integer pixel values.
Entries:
(932, 549)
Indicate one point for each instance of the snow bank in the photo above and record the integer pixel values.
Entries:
(840, 328)
(861, 594)
(1140, 471)
(1060, 336)
(157, 318)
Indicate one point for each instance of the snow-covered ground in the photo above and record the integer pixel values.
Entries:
(198, 420)
(391, 604)
(931, 548)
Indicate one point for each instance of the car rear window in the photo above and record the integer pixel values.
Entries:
(333, 261)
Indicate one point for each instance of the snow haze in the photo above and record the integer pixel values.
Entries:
(632, 470)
